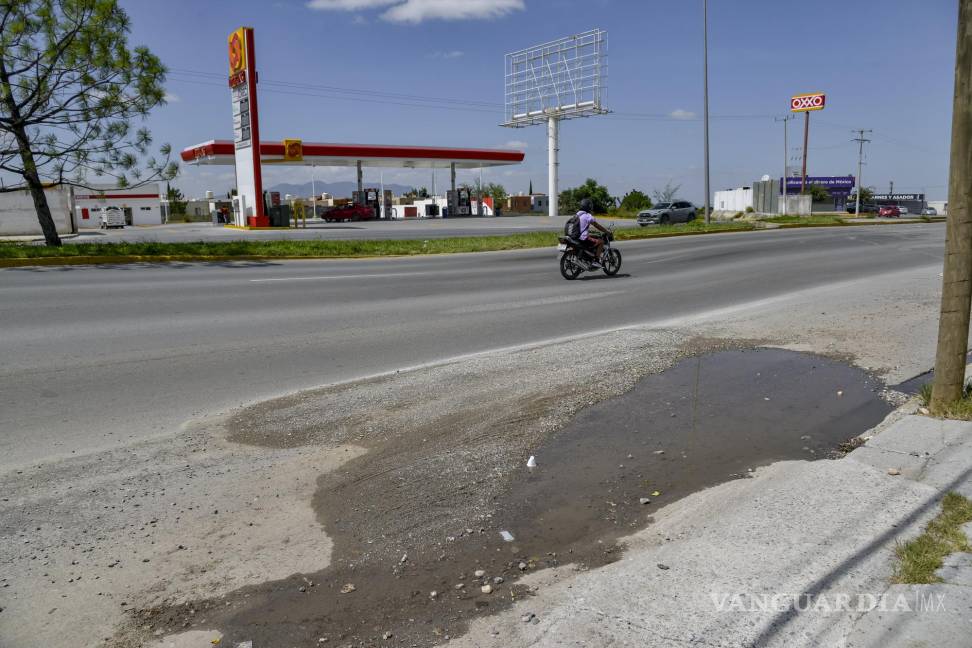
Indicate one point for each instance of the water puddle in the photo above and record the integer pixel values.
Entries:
(707, 420)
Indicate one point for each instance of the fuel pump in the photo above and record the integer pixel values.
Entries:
(460, 202)
(370, 197)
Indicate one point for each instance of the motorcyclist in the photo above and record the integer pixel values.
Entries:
(592, 244)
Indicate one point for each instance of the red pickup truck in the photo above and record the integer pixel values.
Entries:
(346, 213)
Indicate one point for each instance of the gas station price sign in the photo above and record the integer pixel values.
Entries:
(241, 116)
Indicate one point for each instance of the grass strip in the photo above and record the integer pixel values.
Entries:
(919, 559)
(290, 249)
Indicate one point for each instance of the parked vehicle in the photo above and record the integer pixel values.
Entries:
(866, 208)
(903, 210)
(575, 259)
(111, 217)
(889, 211)
(929, 211)
(680, 211)
(349, 212)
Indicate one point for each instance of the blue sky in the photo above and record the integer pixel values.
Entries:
(885, 65)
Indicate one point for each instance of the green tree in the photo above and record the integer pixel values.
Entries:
(867, 195)
(666, 194)
(818, 193)
(635, 200)
(599, 195)
(70, 88)
(177, 202)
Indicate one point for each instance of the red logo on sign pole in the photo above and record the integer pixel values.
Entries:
(807, 102)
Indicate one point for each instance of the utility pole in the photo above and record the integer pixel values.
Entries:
(705, 102)
(860, 139)
(786, 128)
(953, 323)
(891, 190)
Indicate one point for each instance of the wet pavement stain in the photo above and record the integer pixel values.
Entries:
(708, 419)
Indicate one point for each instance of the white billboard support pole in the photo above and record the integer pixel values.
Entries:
(360, 179)
(553, 147)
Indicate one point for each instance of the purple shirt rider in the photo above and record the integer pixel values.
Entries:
(585, 224)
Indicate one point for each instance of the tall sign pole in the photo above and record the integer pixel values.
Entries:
(806, 139)
(806, 103)
(953, 323)
(705, 99)
(246, 128)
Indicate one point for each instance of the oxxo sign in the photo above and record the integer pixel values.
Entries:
(808, 102)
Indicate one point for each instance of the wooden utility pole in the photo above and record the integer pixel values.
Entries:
(953, 324)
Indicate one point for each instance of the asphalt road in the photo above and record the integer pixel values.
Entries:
(411, 229)
(96, 356)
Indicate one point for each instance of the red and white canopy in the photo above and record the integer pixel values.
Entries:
(369, 155)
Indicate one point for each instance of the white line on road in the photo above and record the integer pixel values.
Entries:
(389, 275)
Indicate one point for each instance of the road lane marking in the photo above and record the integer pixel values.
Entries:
(543, 301)
(390, 275)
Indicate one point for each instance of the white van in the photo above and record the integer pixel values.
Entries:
(112, 217)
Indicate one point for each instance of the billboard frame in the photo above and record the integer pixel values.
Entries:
(564, 78)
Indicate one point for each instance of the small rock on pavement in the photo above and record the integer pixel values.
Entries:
(527, 618)
(487, 589)
(387, 635)
(894, 472)
(497, 580)
(433, 594)
(659, 452)
(523, 566)
(645, 500)
(301, 589)
(662, 566)
(460, 585)
(924, 410)
(479, 573)
(347, 588)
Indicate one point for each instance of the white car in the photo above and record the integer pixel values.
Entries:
(903, 210)
(111, 217)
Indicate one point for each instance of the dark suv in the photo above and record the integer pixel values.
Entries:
(866, 208)
(678, 211)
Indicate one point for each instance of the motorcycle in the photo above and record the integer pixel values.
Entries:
(575, 259)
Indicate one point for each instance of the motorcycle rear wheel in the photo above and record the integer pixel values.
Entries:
(569, 268)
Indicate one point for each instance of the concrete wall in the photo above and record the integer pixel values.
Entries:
(733, 200)
(798, 205)
(142, 205)
(766, 196)
(19, 218)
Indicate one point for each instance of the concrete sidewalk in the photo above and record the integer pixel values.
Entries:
(798, 555)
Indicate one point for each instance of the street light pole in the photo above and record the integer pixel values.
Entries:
(705, 101)
(860, 139)
(786, 128)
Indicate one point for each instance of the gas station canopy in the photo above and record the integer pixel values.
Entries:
(367, 155)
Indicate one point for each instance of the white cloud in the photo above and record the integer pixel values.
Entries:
(447, 55)
(348, 5)
(680, 113)
(416, 11)
(516, 144)
(171, 97)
